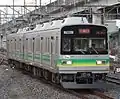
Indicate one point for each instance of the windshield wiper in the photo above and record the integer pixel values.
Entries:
(79, 50)
(82, 52)
(95, 50)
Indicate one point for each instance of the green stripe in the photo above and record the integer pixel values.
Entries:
(81, 62)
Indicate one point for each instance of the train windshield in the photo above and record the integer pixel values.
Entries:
(73, 43)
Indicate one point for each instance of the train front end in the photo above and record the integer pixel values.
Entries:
(84, 59)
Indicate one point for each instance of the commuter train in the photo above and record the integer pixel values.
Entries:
(70, 52)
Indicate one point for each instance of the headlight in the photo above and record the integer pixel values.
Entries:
(98, 62)
(69, 62)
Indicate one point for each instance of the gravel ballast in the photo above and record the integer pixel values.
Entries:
(16, 85)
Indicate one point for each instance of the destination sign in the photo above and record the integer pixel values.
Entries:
(84, 31)
(68, 32)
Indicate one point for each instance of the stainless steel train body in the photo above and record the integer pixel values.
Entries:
(75, 51)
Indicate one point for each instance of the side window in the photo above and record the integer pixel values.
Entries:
(49, 45)
(56, 46)
(13, 42)
(46, 43)
(10, 45)
(30, 44)
(41, 45)
(26, 44)
(37, 44)
(19, 45)
(52, 41)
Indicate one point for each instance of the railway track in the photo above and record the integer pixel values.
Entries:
(94, 93)
(112, 79)
(100, 94)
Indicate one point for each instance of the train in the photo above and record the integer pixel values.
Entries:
(70, 52)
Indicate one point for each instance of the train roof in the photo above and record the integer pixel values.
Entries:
(61, 23)
(58, 24)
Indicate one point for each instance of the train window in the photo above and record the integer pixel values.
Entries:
(98, 43)
(51, 47)
(80, 44)
(30, 45)
(66, 44)
(37, 44)
(56, 45)
(26, 45)
(46, 49)
(48, 44)
(17, 45)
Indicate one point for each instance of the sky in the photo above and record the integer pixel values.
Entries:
(10, 2)
(19, 2)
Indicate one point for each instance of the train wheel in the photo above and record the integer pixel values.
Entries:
(55, 78)
(45, 74)
(40, 73)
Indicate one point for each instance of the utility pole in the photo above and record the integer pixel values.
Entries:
(35, 3)
(24, 7)
(13, 9)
